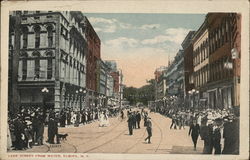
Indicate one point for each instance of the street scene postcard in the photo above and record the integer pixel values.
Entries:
(92, 83)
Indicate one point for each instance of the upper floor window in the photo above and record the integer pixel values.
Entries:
(24, 65)
(25, 37)
(49, 66)
(37, 31)
(37, 17)
(37, 64)
(50, 36)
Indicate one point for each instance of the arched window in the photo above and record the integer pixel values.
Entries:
(25, 37)
(50, 35)
(37, 31)
(36, 54)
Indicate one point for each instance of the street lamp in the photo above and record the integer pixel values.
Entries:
(44, 92)
(82, 94)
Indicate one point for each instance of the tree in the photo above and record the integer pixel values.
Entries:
(140, 95)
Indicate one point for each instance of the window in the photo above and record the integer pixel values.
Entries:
(37, 30)
(50, 36)
(37, 64)
(37, 17)
(227, 32)
(49, 68)
(25, 37)
(24, 66)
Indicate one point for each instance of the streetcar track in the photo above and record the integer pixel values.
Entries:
(106, 142)
(75, 146)
(100, 135)
(160, 138)
(128, 149)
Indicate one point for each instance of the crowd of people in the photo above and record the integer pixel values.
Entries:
(134, 120)
(218, 128)
(26, 128)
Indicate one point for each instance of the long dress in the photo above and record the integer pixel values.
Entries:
(101, 120)
(106, 120)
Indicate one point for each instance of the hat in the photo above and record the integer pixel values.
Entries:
(209, 122)
(28, 122)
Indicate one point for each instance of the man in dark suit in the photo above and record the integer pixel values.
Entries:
(52, 128)
(134, 120)
(194, 130)
(138, 119)
(216, 138)
(130, 123)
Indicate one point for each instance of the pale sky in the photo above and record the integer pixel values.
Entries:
(140, 43)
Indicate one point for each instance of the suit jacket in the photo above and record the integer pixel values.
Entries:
(194, 130)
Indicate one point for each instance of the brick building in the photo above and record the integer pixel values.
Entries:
(220, 83)
(92, 74)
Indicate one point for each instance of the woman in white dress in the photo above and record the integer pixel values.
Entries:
(101, 120)
(106, 119)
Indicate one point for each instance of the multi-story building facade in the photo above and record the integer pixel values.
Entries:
(110, 90)
(187, 46)
(116, 87)
(236, 55)
(111, 65)
(175, 76)
(52, 59)
(160, 82)
(201, 65)
(220, 84)
(94, 49)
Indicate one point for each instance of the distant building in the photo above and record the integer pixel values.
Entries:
(175, 76)
(160, 82)
(112, 65)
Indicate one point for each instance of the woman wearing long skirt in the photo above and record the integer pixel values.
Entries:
(194, 130)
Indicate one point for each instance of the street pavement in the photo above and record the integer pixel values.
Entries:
(91, 138)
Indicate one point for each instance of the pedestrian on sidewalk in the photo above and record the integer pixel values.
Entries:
(173, 122)
(194, 130)
(149, 129)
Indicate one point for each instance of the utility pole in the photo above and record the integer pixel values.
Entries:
(121, 90)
